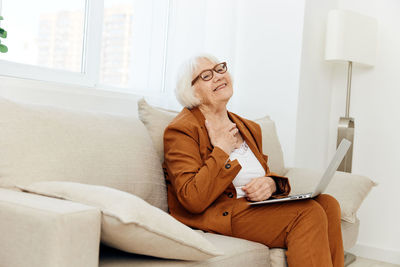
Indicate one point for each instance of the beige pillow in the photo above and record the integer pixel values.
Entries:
(349, 189)
(131, 224)
(157, 119)
(39, 143)
(271, 145)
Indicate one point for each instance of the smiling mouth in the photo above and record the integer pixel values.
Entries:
(220, 87)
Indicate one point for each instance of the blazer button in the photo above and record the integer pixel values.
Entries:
(225, 213)
(230, 195)
(227, 166)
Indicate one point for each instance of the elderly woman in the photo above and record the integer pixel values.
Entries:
(214, 167)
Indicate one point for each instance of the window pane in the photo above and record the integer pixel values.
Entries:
(116, 42)
(47, 33)
(133, 43)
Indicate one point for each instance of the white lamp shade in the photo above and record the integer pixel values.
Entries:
(351, 37)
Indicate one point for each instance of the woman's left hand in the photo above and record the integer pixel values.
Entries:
(260, 188)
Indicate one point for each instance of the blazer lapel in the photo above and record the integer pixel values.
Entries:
(201, 119)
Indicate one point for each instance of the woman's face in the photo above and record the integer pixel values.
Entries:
(216, 91)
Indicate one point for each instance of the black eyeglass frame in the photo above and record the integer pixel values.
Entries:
(212, 72)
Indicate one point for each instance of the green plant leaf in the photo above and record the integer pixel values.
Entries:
(1, 18)
(3, 33)
(3, 48)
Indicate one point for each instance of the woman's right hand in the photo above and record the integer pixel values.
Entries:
(223, 136)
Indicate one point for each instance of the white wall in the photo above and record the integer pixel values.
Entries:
(198, 27)
(260, 40)
(268, 42)
(314, 100)
(374, 105)
(375, 93)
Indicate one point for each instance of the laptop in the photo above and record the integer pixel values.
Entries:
(324, 181)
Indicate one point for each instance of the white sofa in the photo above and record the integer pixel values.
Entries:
(58, 224)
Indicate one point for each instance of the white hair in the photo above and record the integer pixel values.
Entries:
(184, 90)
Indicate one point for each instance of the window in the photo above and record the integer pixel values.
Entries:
(133, 44)
(45, 33)
(108, 44)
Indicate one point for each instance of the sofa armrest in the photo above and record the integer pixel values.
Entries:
(47, 232)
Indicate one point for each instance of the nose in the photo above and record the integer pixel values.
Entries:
(218, 76)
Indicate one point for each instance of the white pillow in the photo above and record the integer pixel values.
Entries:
(157, 119)
(131, 224)
(350, 190)
(42, 143)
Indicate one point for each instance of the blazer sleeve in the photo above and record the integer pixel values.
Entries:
(196, 182)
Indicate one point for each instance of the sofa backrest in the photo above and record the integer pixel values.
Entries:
(157, 119)
(39, 143)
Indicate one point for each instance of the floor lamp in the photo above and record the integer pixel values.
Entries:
(351, 38)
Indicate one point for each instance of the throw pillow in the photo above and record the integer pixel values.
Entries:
(39, 143)
(271, 145)
(157, 119)
(131, 224)
(350, 190)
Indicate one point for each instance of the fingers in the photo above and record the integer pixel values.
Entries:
(253, 185)
(222, 135)
(259, 195)
(258, 189)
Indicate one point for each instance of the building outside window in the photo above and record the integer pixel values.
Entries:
(106, 44)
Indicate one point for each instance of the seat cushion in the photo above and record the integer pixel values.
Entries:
(249, 253)
(40, 143)
(237, 253)
(157, 119)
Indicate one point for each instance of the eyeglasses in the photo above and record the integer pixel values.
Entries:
(207, 75)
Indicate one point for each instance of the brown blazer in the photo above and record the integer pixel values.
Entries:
(199, 176)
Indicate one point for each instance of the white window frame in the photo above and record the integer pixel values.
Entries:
(89, 75)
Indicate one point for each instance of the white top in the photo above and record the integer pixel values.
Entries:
(251, 168)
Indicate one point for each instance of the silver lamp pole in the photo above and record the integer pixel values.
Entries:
(346, 127)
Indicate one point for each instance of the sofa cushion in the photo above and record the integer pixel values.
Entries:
(131, 224)
(237, 253)
(157, 119)
(40, 143)
(349, 189)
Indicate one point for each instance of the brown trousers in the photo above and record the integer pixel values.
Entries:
(310, 230)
